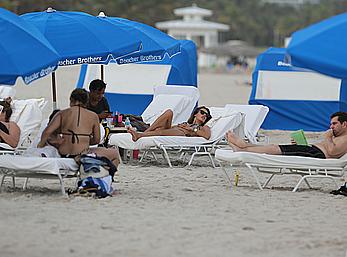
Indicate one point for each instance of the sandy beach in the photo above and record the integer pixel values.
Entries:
(183, 211)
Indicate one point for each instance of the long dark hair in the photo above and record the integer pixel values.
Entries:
(196, 110)
(6, 109)
(80, 95)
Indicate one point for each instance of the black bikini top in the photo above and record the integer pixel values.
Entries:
(74, 136)
(4, 129)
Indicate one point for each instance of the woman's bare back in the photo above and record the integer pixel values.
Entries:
(79, 128)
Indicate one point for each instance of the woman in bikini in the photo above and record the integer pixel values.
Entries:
(78, 128)
(194, 127)
(9, 130)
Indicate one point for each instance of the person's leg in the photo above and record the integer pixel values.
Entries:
(110, 153)
(164, 121)
(159, 132)
(239, 144)
(235, 140)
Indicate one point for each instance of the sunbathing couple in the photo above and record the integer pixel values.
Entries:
(333, 146)
(162, 126)
(73, 130)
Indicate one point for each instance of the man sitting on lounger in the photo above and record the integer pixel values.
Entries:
(333, 146)
(194, 127)
(78, 128)
(97, 100)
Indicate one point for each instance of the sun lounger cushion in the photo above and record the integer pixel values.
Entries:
(47, 151)
(176, 103)
(255, 116)
(28, 115)
(125, 141)
(279, 160)
(48, 165)
(7, 91)
(180, 99)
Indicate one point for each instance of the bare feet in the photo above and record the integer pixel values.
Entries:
(235, 141)
(235, 148)
(134, 135)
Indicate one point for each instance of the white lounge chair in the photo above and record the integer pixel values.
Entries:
(27, 113)
(180, 99)
(28, 116)
(255, 116)
(182, 144)
(37, 167)
(305, 167)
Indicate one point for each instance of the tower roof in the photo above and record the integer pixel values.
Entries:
(192, 10)
(182, 24)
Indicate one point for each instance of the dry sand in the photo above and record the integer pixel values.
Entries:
(184, 211)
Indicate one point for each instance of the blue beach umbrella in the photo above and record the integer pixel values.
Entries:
(81, 38)
(23, 51)
(322, 47)
(155, 43)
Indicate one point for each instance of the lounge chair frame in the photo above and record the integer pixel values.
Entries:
(305, 171)
(235, 122)
(183, 151)
(22, 173)
(17, 166)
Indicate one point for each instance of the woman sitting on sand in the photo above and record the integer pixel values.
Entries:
(162, 126)
(9, 130)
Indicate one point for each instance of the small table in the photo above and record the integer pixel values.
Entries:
(122, 152)
(114, 130)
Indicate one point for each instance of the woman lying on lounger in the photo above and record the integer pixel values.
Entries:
(9, 130)
(162, 126)
(78, 128)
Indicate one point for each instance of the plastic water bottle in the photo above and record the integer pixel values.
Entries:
(127, 123)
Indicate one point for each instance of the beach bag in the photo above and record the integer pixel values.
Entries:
(96, 175)
(341, 191)
(137, 122)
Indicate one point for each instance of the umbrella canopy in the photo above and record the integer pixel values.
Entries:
(155, 44)
(233, 48)
(23, 51)
(82, 38)
(322, 47)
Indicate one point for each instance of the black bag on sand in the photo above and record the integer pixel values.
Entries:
(137, 122)
(341, 191)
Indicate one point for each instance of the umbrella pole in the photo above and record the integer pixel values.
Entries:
(54, 91)
(102, 72)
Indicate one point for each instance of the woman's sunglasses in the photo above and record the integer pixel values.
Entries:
(1, 108)
(202, 112)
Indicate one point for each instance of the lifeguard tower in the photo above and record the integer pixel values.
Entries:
(193, 27)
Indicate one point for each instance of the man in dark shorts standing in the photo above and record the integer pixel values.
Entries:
(333, 146)
(97, 101)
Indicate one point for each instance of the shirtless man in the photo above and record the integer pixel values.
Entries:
(333, 146)
(78, 128)
(194, 127)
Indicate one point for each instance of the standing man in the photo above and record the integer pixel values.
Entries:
(97, 101)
